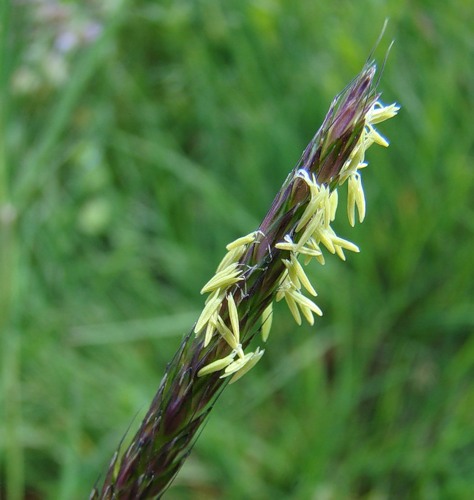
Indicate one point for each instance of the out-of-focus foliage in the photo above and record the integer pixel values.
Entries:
(136, 140)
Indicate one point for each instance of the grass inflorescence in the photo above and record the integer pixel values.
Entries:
(259, 268)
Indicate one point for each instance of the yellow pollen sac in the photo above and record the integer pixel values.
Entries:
(380, 113)
(217, 365)
(223, 279)
(313, 225)
(211, 328)
(211, 307)
(360, 198)
(292, 273)
(226, 333)
(302, 275)
(237, 365)
(355, 159)
(340, 252)
(311, 249)
(243, 365)
(256, 356)
(231, 257)
(376, 137)
(333, 200)
(345, 244)
(234, 317)
(310, 210)
(244, 240)
(324, 237)
(267, 318)
(351, 197)
(290, 301)
(287, 244)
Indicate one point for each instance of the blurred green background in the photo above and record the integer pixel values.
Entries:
(137, 139)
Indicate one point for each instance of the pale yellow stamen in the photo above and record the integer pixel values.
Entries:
(223, 279)
(210, 328)
(313, 225)
(231, 257)
(217, 365)
(299, 271)
(213, 304)
(348, 245)
(287, 244)
(318, 199)
(312, 248)
(310, 210)
(377, 137)
(327, 209)
(226, 333)
(380, 113)
(284, 245)
(355, 198)
(307, 313)
(351, 196)
(237, 365)
(267, 318)
(360, 198)
(303, 301)
(240, 351)
(324, 236)
(320, 259)
(241, 242)
(333, 199)
(355, 159)
(256, 356)
(234, 317)
(293, 277)
(293, 307)
(340, 252)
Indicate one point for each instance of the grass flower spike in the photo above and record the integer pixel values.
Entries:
(264, 266)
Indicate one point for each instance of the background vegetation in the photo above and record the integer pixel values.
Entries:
(137, 139)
